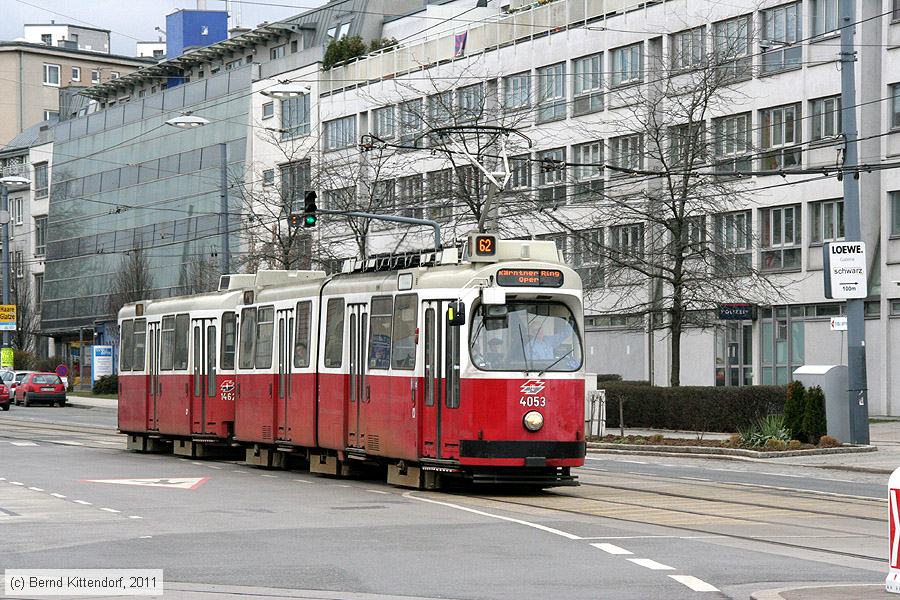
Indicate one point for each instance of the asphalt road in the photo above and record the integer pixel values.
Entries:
(651, 528)
(73, 415)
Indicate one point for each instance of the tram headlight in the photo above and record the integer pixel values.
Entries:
(533, 420)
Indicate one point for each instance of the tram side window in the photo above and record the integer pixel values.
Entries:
(182, 326)
(127, 352)
(334, 333)
(301, 337)
(264, 331)
(380, 316)
(248, 331)
(167, 344)
(403, 351)
(140, 336)
(229, 330)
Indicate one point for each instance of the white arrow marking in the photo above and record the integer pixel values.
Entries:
(181, 483)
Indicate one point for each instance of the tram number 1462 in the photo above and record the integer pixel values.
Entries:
(531, 401)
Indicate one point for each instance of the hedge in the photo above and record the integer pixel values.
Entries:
(721, 409)
(108, 384)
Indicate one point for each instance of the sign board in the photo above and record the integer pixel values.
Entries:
(6, 358)
(102, 361)
(845, 270)
(7, 317)
(62, 370)
(839, 323)
(530, 277)
(737, 311)
(482, 247)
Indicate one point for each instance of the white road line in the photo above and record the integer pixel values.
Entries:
(634, 462)
(199, 464)
(266, 475)
(55, 495)
(376, 491)
(146, 537)
(698, 585)
(630, 537)
(109, 443)
(2, 478)
(135, 517)
(23, 443)
(82, 502)
(305, 481)
(111, 510)
(564, 534)
(611, 549)
(17, 483)
(780, 474)
(36, 489)
(695, 478)
(650, 564)
(66, 442)
(213, 466)
(341, 485)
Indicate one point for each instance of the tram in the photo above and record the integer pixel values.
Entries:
(432, 366)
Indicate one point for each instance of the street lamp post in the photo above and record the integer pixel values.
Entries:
(5, 182)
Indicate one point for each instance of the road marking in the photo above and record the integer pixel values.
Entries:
(23, 443)
(36, 489)
(55, 495)
(17, 483)
(266, 475)
(66, 442)
(650, 564)
(181, 483)
(564, 534)
(698, 585)
(305, 481)
(695, 478)
(111, 510)
(376, 491)
(780, 474)
(611, 549)
(630, 537)
(212, 466)
(82, 502)
(635, 462)
(146, 537)
(2, 478)
(135, 517)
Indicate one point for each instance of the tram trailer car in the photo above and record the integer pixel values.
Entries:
(454, 368)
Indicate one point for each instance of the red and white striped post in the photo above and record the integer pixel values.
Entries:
(892, 582)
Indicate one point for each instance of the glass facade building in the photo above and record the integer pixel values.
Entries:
(123, 180)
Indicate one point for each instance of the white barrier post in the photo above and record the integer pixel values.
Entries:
(892, 582)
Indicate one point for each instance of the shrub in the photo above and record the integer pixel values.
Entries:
(23, 360)
(735, 440)
(381, 44)
(765, 431)
(814, 425)
(342, 50)
(604, 377)
(794, 408)
(108, 384)
(826, 441)
(693, 408)
(657, 438)
(795, 445)
(775, 444)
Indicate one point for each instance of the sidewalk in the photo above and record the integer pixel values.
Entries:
(73, 399)
(861, 591)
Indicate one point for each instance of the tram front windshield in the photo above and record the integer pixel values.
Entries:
(525, 336)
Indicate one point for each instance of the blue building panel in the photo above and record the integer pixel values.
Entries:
(194, 28)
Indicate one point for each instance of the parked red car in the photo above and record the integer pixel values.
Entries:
(41, 387)
(4, 396)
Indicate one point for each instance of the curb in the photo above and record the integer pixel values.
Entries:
(776, 593)
(712, 451)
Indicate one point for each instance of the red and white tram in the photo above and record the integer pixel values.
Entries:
(429, 365)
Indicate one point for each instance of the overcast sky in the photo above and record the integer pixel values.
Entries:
(130, 20)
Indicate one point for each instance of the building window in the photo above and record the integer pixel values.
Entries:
(732, 45)
(732, 144)
(551, 93)
(895, 213)
(782, 343)
(686, 144)
(113, 74)
(295, 180)
(782, 28)
(383, 122)
(895, 304)
(826, 118)
(277, 52)
(40, 236)
(824, 16)
(41, 181)
(383, 195)
(340, 133)
(440, 114)
(339, 199)
(51, 74)
(17, 211)
(18, 264)
(588, 84)
(517, 91)
(626, 151)
(38, 289)
(440, 194)
(46, 38)
(688, 48)
(733, 242)
(268, 110)
(268, 176)
(780, 137)
(627, 64)
(76, 73)
(627, 242)
(338, 31)
(409, 196)
(95, 76)
(895, 105)
(470, 100)
(552, 179)
(826, 221)
(520, 172)
(295, 116)
(588, 171)
(411, 122)
(896, 11)
(295, 46)
(51, 114)
(587, 252)
(780, 238)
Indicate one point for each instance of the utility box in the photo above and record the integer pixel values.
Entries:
(594, 407)
(833, 381)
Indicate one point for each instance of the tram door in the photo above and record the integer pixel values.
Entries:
(285, 322)
(153, 386)
(435, 366)
(359, 390)
(203, 338)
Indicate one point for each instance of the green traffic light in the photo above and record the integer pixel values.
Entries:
(310, 220)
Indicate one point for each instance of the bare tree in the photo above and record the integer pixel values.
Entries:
(132, 282)
(199, 276)
(27, 315)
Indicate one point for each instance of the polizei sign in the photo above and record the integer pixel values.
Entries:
(845, 270)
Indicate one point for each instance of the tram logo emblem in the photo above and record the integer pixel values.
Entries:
(532, 387)
(227, 389)
(894, 558)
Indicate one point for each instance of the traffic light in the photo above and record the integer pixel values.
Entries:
(309, 211)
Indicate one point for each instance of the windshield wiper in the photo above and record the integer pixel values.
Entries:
(524, 351)
(555, 362)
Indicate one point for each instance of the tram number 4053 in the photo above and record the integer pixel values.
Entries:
(533, 401)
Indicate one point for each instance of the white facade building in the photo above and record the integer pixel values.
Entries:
(72, 37)
(155, 50)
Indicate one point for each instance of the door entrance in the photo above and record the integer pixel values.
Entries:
(734, 354)
(441, 360)
(205, 387)
(359, 390)
(153, 386)
(285, 321)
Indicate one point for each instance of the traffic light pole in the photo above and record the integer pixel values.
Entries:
(856, 323)
(408, 220)
(4, 255)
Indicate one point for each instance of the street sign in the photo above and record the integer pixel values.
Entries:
(737, 311)
(6, 358)
(7, 317)
(181, 483)
(839, 323)
(845, 270)
(62, 370)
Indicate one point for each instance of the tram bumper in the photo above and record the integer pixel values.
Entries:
(540, 463)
